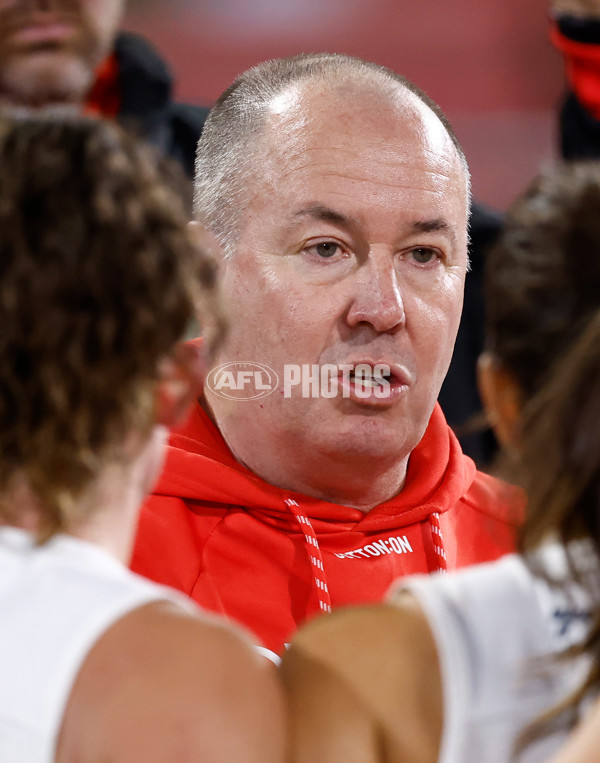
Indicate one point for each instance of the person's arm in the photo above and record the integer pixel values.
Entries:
(162, 686)
(584, 743)
(363, 685)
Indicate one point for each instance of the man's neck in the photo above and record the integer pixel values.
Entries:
(343, 492)
(362, 485)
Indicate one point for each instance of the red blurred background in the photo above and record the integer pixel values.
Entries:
(488, 64)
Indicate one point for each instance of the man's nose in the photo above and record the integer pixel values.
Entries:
(378, 297)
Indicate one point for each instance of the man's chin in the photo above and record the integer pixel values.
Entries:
(47, 78)
(373, 449)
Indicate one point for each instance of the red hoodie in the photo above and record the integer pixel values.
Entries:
(270, 558)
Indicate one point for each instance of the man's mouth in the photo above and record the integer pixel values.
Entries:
(372, 382)
(38, 29)
(44, 33)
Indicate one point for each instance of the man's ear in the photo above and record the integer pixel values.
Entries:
(502, 399)
(181, 376)
(210, 312)
(207, 241)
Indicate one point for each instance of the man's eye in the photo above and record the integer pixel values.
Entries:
(325, 249)
(423, 255)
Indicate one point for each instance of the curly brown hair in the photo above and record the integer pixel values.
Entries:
(99, 278)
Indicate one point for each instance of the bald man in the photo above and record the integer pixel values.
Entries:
(318, 467)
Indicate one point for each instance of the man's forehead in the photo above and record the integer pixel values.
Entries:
(309, 102)
(318, 134)
(307, 115)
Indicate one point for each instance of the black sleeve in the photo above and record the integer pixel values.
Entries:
(579, 130)
(459, 396)
(187, 122)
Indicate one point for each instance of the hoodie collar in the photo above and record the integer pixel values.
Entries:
(199, 466)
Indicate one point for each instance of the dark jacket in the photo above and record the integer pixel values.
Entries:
(579, 130)
(459, 396)
(147, 106)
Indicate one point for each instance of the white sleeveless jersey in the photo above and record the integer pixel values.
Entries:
(55, 602)
(496, 627)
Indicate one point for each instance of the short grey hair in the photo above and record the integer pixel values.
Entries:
(226, 159)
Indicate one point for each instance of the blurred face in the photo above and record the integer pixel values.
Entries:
(353, 252)
(49, 49)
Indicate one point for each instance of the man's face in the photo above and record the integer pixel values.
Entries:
(353, 251)
(49, 49)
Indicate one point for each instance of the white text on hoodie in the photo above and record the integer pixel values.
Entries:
(396, 545)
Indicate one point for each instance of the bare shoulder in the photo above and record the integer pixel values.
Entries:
(375, 662)
(163, 684)
(584, 743)
(364, 635)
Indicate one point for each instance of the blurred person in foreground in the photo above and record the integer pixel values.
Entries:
(474, 666)
(99, 278)
(70, 53)
(338, 199)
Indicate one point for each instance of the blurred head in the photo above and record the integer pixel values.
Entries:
(540, 381)
(49, 49)
(559, 460)
(558, 465)
(542, 284)
(340, 198)
(99, 279)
